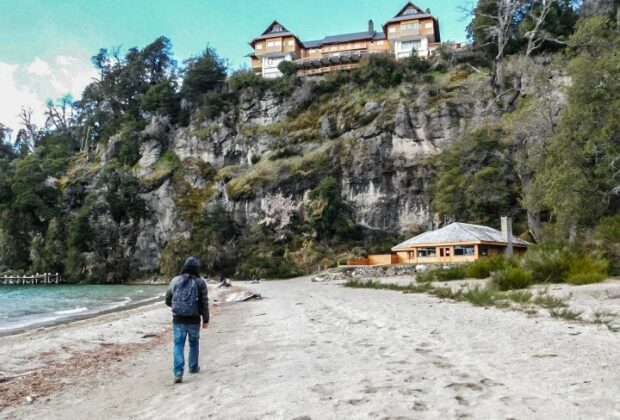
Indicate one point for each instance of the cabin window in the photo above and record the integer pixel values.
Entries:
(428, 25)
(259, 47)
(392, 29)
(409, 27)
(270, 44)
(484, 250)
(277, 28)
(464, 250)
(379, 42)
(291, 43)
(426, 252)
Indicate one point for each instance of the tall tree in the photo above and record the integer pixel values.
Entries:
(580, 180)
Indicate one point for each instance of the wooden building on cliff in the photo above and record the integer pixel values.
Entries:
(410, 31)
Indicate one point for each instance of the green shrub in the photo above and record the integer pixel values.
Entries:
(513, 278)
(607, 235)
(587, 270)
(482, 268)
(287, 68)
(548, 264)
(458, 272)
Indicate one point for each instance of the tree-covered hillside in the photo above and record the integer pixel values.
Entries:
(273, 178)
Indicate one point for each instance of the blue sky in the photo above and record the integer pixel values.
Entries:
(45, 45)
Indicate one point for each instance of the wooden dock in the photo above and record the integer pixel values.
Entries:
(45, 278)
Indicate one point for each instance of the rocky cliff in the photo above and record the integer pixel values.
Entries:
(261, 159)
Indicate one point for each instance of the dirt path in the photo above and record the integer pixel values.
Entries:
(324, 351)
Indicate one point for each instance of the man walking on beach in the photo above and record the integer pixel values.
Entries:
(188, 298)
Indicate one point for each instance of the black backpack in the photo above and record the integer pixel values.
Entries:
(185, 297)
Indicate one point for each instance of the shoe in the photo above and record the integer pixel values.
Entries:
(196, 370)
(178, 379)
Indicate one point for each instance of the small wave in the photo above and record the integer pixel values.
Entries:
(126, 299)
(72, 311)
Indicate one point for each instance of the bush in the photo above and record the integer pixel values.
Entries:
(587, 270)
(287, 68)
(482, 268)
(607, 235)
(549, 264)
(458, 272)
(511, 278)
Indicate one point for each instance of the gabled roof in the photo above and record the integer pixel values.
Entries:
(401, 16)
(271, 27)
(269, 33)
(459, 232)
(407, 6)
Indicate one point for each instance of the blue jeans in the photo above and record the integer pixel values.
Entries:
(192, 333)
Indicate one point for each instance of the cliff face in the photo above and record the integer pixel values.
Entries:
(273, 162)
(261, 159)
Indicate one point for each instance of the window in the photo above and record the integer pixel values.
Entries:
(270, 44)
(277, 28)
(410, 11)
(426, 252)
(484, 250)
(464, 250)
(314, 51)
(409, 45)
(410, 27)
(392, 29)
(291, 43)
(274, 61)
(428, 25)
(379, 42)
(259, 46)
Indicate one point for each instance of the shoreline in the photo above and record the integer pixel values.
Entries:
(79, 317)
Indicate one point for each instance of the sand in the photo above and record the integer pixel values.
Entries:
(321, 351)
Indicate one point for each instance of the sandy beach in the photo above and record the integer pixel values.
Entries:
(321, 351)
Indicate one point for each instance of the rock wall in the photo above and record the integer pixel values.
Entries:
(378, 149)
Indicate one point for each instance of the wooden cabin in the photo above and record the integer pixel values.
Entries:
(455, 243)
(410, 31)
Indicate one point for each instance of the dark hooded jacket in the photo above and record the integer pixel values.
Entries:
(190, 268)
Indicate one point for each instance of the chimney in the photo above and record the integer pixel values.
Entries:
(507, 234)
(371, 26)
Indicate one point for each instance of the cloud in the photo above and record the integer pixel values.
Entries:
(39, 68)
(33, 83)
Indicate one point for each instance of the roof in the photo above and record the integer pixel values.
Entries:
(459, 232)
(356, 36)
(269, 33)
(409, 17)
(313, 44)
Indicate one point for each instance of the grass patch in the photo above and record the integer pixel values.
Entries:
(166, 165)
(445, 293)
(519, 296)
(371, 284)
(482, 296)
(565, 313)
(549, 302)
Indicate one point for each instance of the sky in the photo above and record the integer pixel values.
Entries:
(46, 45)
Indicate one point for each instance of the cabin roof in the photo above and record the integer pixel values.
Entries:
(459, 232)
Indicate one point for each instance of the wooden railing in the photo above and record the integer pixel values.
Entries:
(45, 278)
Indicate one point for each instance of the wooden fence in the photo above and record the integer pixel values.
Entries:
(45, 278)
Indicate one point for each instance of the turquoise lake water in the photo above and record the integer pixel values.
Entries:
(21, 306)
